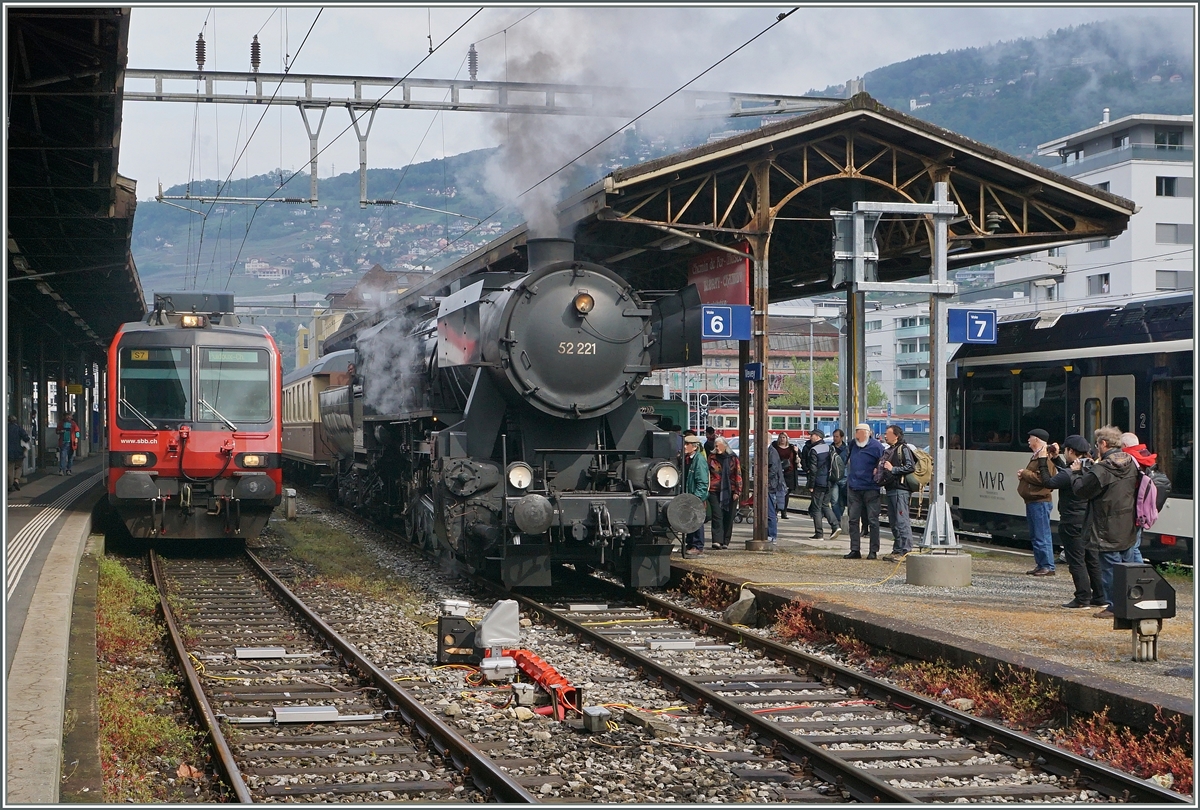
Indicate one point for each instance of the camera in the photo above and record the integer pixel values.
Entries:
(1085, 463)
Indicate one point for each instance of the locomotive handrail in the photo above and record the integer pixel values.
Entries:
(589, 452)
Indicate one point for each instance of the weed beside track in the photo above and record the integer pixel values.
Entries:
(1014, 697)
(149, 749)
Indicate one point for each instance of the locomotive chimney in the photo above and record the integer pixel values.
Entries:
(546, 251)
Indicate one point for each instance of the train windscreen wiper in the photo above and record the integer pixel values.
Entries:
(217, 413)
(138, 414)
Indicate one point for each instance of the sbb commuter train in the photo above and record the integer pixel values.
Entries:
(1127, 365)
(193, 422)
(500, 424)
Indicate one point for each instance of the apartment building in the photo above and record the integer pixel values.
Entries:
(1148, 159)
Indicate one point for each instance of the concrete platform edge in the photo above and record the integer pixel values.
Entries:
(1082, 691)
(36, 689)
(83, 776)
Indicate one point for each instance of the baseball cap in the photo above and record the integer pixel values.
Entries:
(1078, 444)
(863, 426)
(1039, 433)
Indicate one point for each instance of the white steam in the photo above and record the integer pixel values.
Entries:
(391, 360)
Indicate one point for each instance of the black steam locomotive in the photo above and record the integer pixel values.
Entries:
(500, 423)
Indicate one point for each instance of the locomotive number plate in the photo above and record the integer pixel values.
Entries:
(569, 347)
(139, 354)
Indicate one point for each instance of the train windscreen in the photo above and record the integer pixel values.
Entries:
(235, 385)
(154, 384)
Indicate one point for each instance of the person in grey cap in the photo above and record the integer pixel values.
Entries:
(1039, 500)
(1083, 558)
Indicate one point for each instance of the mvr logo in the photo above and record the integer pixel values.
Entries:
(991, 480)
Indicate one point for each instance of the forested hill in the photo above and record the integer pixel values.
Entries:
(1015, 95)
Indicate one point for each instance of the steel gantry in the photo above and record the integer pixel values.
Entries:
(363, 96)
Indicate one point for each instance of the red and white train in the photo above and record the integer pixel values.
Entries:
(193, 421)
(798, 422)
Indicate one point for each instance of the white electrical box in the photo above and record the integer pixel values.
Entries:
(498, 669)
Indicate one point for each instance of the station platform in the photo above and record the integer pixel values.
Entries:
(47, 527)
(1003, 616)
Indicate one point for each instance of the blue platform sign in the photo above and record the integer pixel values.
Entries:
(752, 372)
(725, 322)
(972, 326)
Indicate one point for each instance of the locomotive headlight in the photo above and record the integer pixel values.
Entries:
(138, 459)
(520, 475)
(252, 460)
(584, 303)
(665, 476)
(192, 321)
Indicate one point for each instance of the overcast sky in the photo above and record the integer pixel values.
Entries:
(625, 46)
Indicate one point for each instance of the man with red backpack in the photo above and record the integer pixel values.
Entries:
(1153, 485)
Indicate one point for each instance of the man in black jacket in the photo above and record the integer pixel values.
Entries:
(1083, 559)
(897, 461)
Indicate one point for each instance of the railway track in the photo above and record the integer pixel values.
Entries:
(875, 741)
(293, 712)
(871, 740)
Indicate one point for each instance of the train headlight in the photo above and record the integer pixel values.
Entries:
(138, 459)
(520, 475)
(252, 460)
(584, 303)
(192, 321)
(665, 476)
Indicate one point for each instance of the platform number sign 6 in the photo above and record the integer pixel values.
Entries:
(716, 322)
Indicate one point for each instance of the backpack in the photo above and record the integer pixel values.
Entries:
(837, 467)
(1162, 486)
(1146, 506)
(923, 467)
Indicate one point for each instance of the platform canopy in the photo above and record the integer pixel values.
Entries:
(648, 221)
(69, 213)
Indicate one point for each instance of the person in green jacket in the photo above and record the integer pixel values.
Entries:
(695, 482)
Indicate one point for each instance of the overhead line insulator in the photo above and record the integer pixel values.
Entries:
(255, 54)
(200, 52)
(472, 61)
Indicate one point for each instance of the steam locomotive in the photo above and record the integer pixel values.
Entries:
(500, 423)
(193, 425)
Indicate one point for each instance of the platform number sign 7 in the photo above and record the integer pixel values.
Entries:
(981, 326)
(972, 326)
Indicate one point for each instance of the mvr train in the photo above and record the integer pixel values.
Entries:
(193, 422)
(1127, 365)
(500, 423)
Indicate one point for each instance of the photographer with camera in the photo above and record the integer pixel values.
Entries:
(1110, 486)
(1039, 500)
(1083, 560)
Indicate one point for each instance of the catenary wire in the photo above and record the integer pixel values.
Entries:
(366, 110)
(622, 128)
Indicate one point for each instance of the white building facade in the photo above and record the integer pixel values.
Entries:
(1144, 158)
